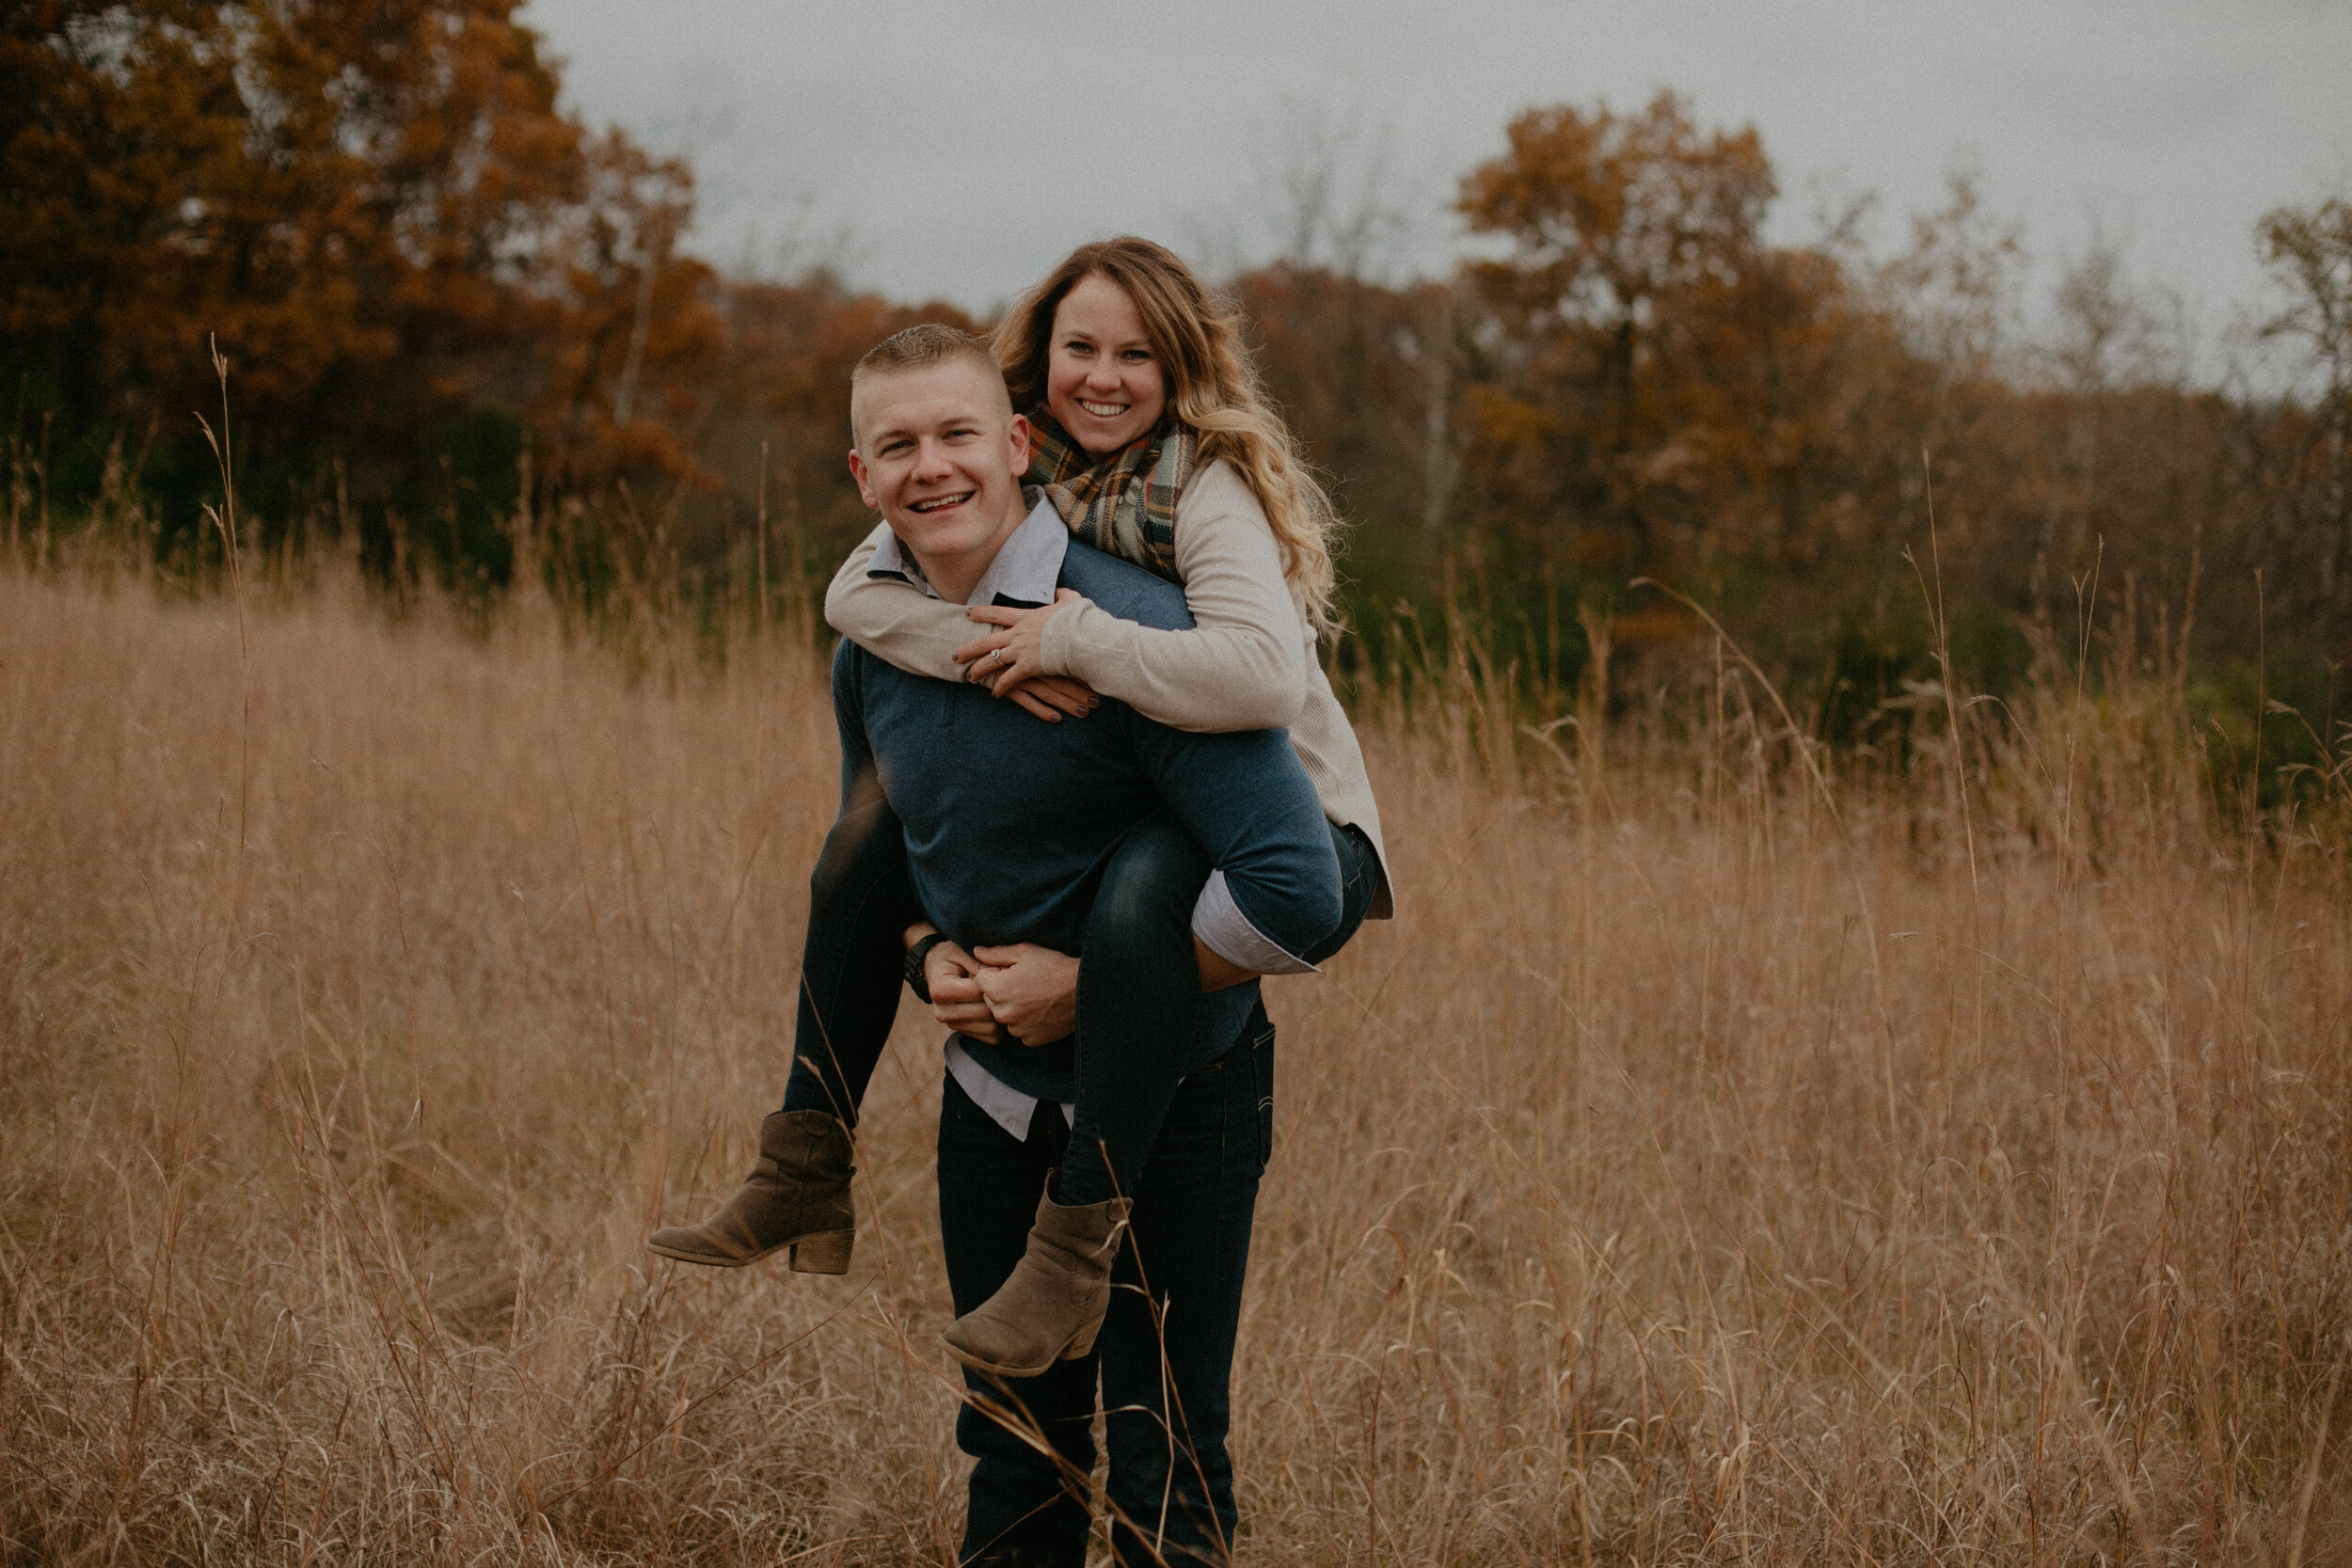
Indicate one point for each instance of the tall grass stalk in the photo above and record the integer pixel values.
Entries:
(1704, 1168)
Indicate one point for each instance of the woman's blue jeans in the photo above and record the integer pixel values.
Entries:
(1139, 986)
(1166, 1352)
(854, 961)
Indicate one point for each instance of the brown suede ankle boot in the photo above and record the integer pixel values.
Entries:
(797, 1197)
(1052, 1307)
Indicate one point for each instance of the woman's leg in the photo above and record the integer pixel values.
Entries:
(1359, 876)
(860, 904)
(1137, 987)
(797, 1193)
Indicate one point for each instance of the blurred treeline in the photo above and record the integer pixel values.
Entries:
(455, 320)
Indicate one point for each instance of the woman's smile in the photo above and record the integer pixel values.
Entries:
(1103, 384)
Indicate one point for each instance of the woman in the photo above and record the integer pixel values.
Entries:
(1150, 440)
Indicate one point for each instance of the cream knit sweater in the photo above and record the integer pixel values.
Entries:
(1248, 665)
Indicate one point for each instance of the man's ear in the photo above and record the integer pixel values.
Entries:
(1019, 429)
(857, 471)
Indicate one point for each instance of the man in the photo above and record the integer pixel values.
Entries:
(1007, 823)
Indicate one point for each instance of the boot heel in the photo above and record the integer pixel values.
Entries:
(1082, 1343)
(824, 1253)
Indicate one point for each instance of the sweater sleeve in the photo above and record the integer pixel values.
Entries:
(1244, 665)
(894, 621)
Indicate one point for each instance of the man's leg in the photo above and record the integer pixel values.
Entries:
(1027, 1507)
(1168, 1345)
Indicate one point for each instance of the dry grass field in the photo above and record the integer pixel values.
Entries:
(1715, 1162)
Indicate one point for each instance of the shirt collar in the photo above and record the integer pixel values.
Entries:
(1026, 566)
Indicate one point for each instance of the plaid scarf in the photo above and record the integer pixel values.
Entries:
(1124, 504)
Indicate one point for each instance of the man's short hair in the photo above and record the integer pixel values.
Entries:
(922, 346)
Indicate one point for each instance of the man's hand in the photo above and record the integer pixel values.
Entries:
(1015, 654)
(1032, 991)
(957, 1000)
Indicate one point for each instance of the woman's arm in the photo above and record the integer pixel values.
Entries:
(893, 620)
(902, 626)
(1242, 667)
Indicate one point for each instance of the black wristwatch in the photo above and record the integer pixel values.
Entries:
(915, 956)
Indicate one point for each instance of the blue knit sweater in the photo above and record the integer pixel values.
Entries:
(1010, 821)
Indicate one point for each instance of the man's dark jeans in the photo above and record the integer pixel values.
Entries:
(1165, 1353)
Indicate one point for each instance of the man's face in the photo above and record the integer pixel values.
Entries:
(939, 456)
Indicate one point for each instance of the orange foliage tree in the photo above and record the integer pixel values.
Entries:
(2309, 251)
(374, 207)
(1634, 242)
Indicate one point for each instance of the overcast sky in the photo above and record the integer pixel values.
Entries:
(956, 150)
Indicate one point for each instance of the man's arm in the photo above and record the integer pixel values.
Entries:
(861, 781)
(1246, 799)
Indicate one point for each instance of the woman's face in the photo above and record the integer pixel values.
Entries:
(1102, 382)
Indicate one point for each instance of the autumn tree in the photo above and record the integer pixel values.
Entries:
(778, 435)
(1617, 224)
(375, 208)
(2309, 251)
(1814, 437)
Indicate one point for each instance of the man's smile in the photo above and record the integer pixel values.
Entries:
(941, 504)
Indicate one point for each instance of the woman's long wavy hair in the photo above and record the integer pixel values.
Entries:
(1212, 384)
